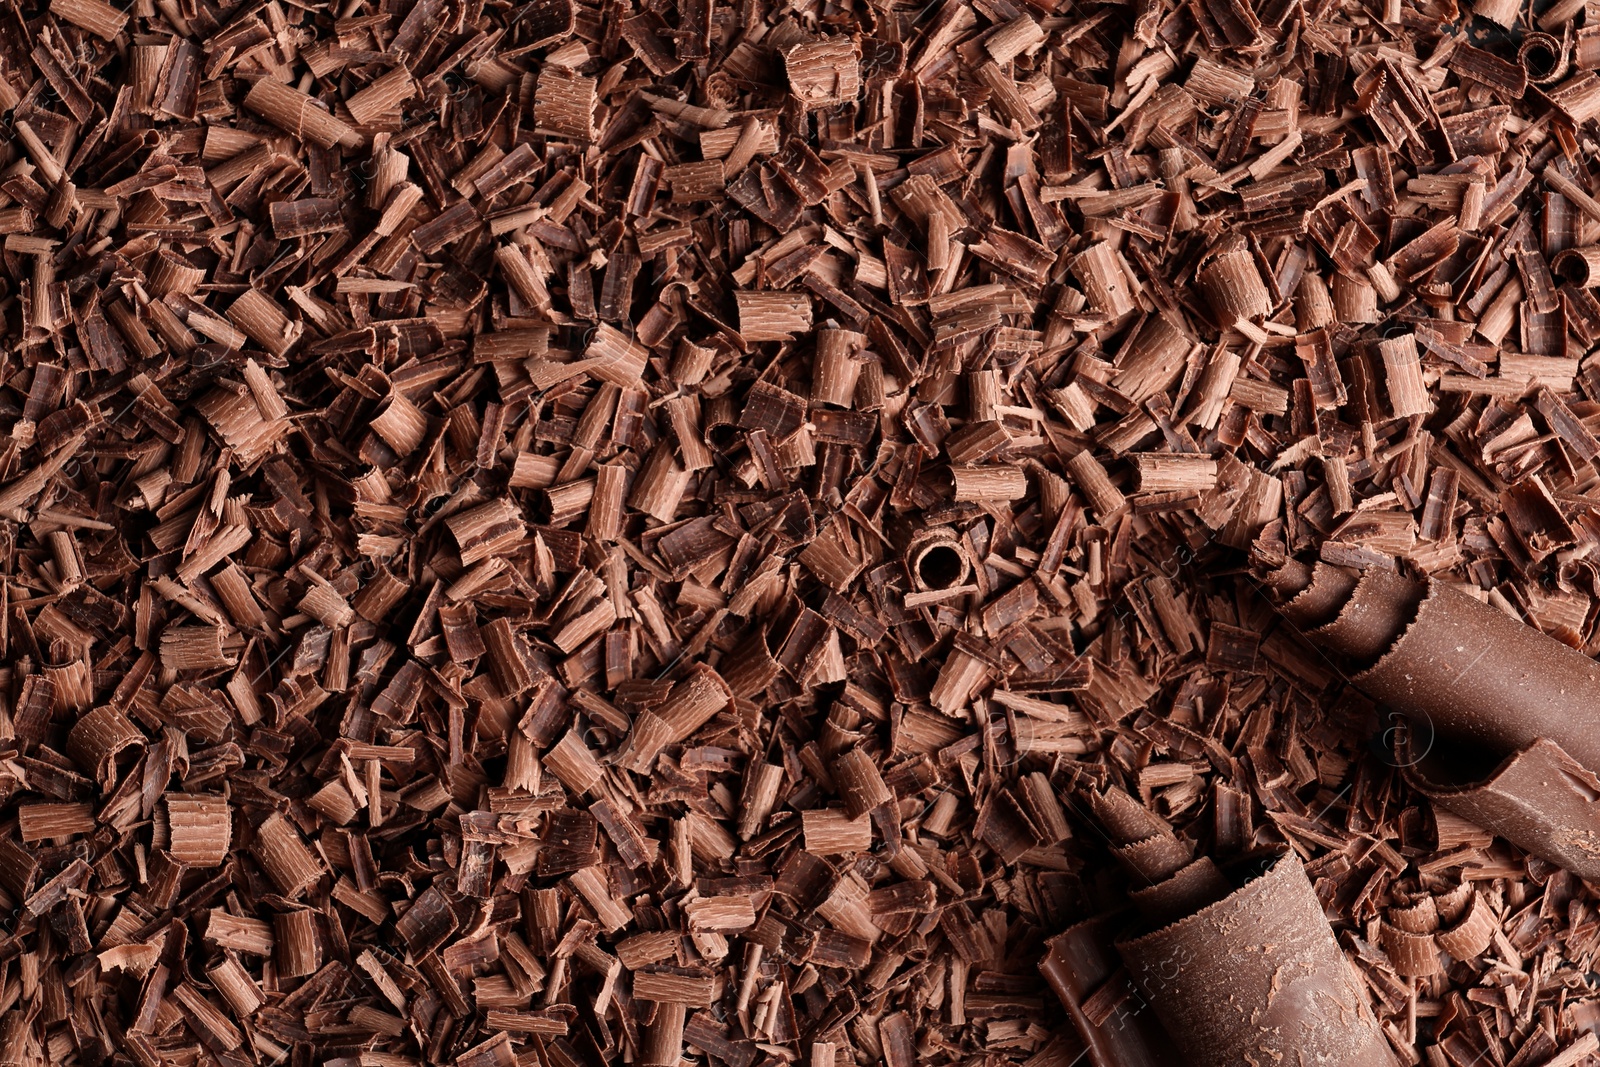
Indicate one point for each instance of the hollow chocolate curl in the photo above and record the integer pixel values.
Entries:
(1540, 799)
(1504, 719)
(1257, 977)
(1472, 933)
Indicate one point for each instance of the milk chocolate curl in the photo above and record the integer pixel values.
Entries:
(1580, 266)
(294, 111)
(700, 694)
(861, 786)
(752, 667)
(1124, 818)
(1505, 719)
(1100, 273)
(1155, 859)
(938, 560)
(837, 367)
(199, 828)
(283, 854)
(664, 1037)
(1232, 285)
(1543, 57)
(1258, 978)
(1473, 932)
(1174, 882)
(1289, 580)
(1116, 1024)
(1176, 897)
(1317, 603)
(99, 737)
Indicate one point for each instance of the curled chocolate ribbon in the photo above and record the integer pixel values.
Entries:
(1512, 716)
(1224, 966)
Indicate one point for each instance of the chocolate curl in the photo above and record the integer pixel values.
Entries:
(1115, 1023)
(938, 560)
(1544, 58)
(699, 695)
(99, 737)
(1258, 978)
(1540, 799)
(1082, 964)
(1408, 938)
(1505, 719)
(1473, 931)
(1246, 975)
(1176, 883)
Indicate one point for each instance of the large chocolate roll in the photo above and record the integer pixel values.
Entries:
(1504, 719)
(1238, 967)
(1257, 977)
(1539, 798)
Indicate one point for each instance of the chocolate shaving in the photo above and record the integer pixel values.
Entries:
(592, 533)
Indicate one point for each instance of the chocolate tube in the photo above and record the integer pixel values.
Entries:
(1544, 58)
(938, 560)
(1258, 978)
(1540, 798)
(1235, 975)
(1505, 719)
